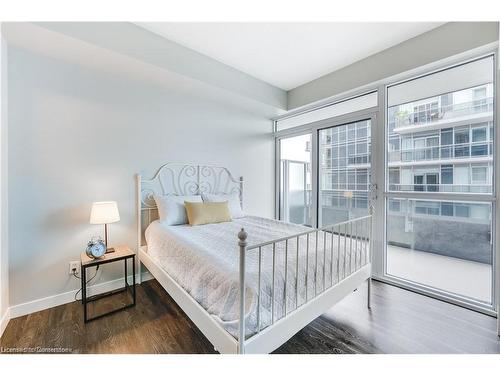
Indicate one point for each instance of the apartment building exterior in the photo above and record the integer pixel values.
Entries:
(443, 144)
(438, 144)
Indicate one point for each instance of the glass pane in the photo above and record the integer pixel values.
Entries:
(478, 150)
(479, 175)
(479, 134)
(447, 136)
(295, 179)
(442, 244)
(349, 198)
(444, 122)
(461, 151)
(461, 135)
(442, 118)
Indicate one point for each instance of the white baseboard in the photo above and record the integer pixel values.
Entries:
(67, 297)
(4, 321)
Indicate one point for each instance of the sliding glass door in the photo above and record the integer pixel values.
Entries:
(344, 163)
(325, 173)
(439, 182)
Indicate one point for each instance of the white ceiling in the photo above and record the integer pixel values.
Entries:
(288, 55)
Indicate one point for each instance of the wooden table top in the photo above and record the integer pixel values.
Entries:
(121, 251)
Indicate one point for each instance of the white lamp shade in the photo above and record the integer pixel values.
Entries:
(104, 213)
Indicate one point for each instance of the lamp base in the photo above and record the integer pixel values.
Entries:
(108, 249)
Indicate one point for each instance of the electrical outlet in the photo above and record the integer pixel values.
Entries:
(74, 267)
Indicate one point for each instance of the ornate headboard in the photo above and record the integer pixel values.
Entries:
(181, 179)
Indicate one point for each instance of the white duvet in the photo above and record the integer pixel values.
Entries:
(204, 260)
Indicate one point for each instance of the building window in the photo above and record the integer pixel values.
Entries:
(362, 180)
(447, 174)
(446, 142)
(480, 102)
(480, 175)
(479, 150)
(447, 136)
(361, 130)
(462, 210)
(351, 176)
(394, 144)
(425, 113)
(462, 135)
(480, 93)
(342, 180)
(446, 208)
(361, 148)
(462, 151)
(394, 179)
(479, 134)
(394, 205)
(351, 132)
(342, 135)
(406, 143)
(427, 207)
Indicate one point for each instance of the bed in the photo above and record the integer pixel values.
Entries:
(252, 283)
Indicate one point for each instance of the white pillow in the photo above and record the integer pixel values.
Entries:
(232, 199)
(171, 208)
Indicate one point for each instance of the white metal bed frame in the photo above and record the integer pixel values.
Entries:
(185, 179)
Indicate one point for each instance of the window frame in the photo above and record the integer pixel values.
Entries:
(379, 136)
(486, 308)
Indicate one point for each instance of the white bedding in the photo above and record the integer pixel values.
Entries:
(204, 260)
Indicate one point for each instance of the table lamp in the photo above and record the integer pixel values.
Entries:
(105, 213)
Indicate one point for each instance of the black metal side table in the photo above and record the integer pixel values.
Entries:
(121, 253)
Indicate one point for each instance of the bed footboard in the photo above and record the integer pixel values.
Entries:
(349, 247)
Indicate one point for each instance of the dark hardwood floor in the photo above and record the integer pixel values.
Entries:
(399, 322)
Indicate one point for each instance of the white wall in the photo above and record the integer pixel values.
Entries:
(77, 136)
(4, 261)
(132, 40)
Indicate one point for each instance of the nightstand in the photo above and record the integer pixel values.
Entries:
(121, 253)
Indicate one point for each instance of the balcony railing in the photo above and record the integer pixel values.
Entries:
(443, 188)
(456, 151)
(344, 161)
(428, 116)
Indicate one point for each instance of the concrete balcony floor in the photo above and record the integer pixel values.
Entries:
(463, 277)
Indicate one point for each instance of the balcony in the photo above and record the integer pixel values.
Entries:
(459, 276)
(448, 249)
(450, 253)
(443, 188)
(451, 153)
(436, 118)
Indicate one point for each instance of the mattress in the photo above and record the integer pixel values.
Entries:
(204, 260)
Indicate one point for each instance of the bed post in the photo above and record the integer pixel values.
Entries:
(139, 226)
(242, 236)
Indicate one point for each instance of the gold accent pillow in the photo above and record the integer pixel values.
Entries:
(207, 212)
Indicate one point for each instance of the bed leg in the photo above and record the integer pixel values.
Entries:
(369, 294)
(139, 271)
